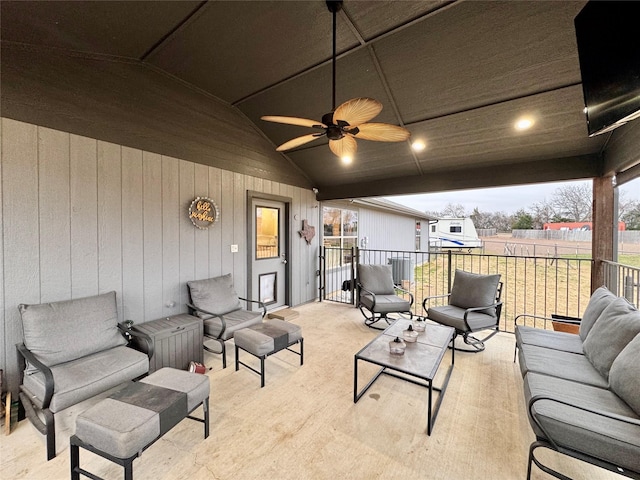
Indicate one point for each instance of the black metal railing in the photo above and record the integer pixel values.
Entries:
(623, 280)
(535, 285)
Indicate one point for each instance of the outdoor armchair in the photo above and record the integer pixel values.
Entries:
(217, 303)
(473, 305)
(378, 296)
(73, 350)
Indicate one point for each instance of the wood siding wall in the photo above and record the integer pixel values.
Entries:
(81, 217)
(388, 231)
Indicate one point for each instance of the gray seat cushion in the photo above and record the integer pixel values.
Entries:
(600, 299)
(570, 366)
(566, 342)
(88, 376)
(260, 341)
(195, 385)
(118, 428)
(62, 331)
(454, 317)
(474, 290)
(385, 303)
(624, 376)
(378, 279)
(215, 295)
(617, 325)
(234, 320)
(595, 435)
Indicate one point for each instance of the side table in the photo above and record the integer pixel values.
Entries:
(177, 341)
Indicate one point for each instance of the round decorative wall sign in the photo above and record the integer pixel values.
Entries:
(203, 212)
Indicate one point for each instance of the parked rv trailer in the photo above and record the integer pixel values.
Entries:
(453, 233)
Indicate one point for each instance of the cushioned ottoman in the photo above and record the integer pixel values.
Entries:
(120, 427)
(266, 339)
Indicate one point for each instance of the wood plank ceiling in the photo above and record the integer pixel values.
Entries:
(457, 74)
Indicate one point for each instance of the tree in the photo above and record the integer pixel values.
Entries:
(631, 216)
(542, 212)
(522, 220)
(454, 211)
(573, 202)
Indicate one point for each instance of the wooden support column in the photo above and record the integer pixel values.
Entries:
(603, 227)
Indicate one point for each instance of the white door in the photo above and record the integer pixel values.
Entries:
(268, 245)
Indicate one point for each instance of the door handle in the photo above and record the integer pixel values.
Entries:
(284, 259)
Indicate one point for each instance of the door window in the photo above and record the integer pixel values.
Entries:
(267, 228)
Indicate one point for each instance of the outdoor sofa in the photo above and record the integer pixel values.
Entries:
(583, 390)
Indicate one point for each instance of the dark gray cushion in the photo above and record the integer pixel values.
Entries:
(86, 377)
(454, 317)
(600, 299)
(474, 290)
(616, 326)
(215, 295)
(118, 428)
(63, 331)
(566, 342)
(624, 376)
(234, 320)
(385, 303)
(601, 437)
(378, 279)
(555, 363)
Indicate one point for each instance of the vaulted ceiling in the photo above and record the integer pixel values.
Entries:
(456, 74)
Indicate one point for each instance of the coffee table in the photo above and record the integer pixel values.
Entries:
(419, 364)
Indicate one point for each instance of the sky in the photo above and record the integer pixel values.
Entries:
(504, 199)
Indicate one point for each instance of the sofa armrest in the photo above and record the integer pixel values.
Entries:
(427, 299)
(521, 319)
(49, 386)
(602, 413)
(405, 292)
(128, 333)
(206, 312)
(260, 304)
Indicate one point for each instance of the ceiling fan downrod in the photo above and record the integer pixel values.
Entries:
(334, 7)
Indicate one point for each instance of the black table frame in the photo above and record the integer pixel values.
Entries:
(403, 374)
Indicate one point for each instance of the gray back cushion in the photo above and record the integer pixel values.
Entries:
(474, 290)
(600, 299)
(63, 331)
(616, 326)
(378, 279)
(624, 376)
(215, 295)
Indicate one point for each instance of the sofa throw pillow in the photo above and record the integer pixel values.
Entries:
(600, 299)
(624, 376)
(62, 331)
(215, 295)
(618, 324)
(474, 290)
(378, 279)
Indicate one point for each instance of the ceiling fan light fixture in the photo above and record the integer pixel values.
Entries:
(342, 125)
(347, 160)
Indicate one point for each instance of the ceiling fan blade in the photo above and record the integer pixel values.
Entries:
(382, 132)
(303, 122)
(357, 111)
(345, 147)
(296, 142)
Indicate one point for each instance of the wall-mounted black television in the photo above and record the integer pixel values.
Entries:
(608, 36)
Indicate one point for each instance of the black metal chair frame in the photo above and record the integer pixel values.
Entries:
(371, 320)
(476, 344)
(46, 425)
(547, 442)
(193, 309)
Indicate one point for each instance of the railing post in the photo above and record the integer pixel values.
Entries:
(322, 272)
(449, 271)
(628, 288)
(355, 260)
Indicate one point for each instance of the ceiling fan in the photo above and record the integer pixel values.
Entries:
(347, 122)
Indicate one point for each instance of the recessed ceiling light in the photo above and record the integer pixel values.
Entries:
(524, 123)
(346, 160)
(418, 145)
